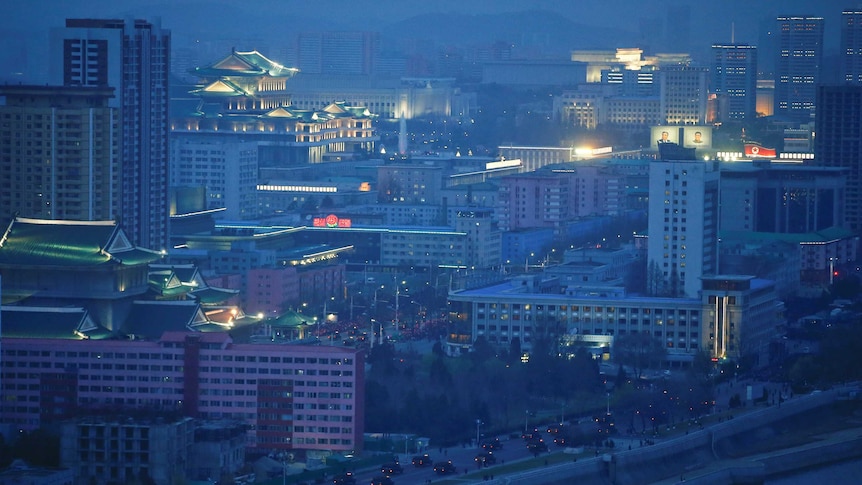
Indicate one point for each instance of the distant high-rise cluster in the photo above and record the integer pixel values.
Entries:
(734, 80)
(351, 53)
(851, 46)
(798, 68)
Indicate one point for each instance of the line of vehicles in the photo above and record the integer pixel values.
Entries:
(393, 467)
(533, 440)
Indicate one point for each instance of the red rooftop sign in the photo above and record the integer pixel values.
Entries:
(331, 221)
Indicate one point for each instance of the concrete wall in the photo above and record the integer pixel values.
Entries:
(697, 450)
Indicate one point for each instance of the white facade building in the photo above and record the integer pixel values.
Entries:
(226, 166)
(683, 225)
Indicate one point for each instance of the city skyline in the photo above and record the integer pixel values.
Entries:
(621, 22)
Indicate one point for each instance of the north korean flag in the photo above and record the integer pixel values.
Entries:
(752, 150)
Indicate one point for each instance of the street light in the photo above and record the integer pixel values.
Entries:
(526, 419)
(478, 423)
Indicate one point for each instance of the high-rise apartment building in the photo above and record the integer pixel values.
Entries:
(133, 57)
(797, 70)
(839, 129)
(341, 53)
(851, 46)
(734, 81)
(683, 225)
(59, 153)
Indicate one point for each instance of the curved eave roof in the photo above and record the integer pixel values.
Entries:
(292, 319)
(212, 295)
(247, 64)
(35, 242)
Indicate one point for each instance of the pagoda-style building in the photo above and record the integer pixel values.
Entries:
(90, 264)
(248, 95)
(84, 280)
(244, 82)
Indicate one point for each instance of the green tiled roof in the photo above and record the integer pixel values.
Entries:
(826, 235)
(292, 319)
(250, 64)
(221, 88)
(149, 319)
(50, 322)
(39, 242)
(211, 295)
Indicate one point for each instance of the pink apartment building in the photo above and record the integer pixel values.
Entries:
(291, 397)
(551, 199)
(272, 291)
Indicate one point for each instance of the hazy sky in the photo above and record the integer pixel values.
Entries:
(24, 25)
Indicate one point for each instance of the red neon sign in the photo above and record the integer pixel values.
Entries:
(331, 221)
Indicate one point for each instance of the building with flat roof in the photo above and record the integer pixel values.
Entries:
(851, 46)
(734, 80)
(125, 450)
(683, 94)
(839, 112)
(227, 168)
(732, 316)
(781, 197)
(133, 57)
(799, 65)
(290, 397)
(69, 167)
(683, 225)
(341, 52)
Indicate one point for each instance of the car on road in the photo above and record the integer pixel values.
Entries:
(493, 444)
(485, 458)
(391, 468)
(421, 460)
(537, 446)
(345, 478)
(444, 467)
(382, 480)
(562, 441)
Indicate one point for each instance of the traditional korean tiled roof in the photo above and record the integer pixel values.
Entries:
(167, 280)
(211, 295)
(292, 319)
(251, 64)
(150, 319)
(38, 242)
(221, 88)
(331, 111)
(50, 322)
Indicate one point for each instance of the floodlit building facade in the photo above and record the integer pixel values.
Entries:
(246, 96)
(683, 94)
